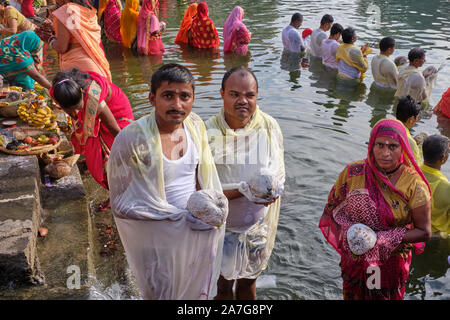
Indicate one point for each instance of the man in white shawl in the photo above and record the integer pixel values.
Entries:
(247, 145)
(319, 34)
(412, 82)
(154, 167)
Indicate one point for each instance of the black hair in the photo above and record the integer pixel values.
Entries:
(296, 17)
(68, 93)
(386, 43)
(434, 148)
(243, 70)
(415, 53)
(171, 72)
(336, 28)
(347, 35)
(84, 3)
(328, 18)
(4, 2)
(407, 107)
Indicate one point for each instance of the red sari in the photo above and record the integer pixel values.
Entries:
(91, 137)
(27, 8)
(204, 33)
(444, 104)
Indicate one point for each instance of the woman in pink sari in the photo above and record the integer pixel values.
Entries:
(111, 20)
(235, 34)
(148, 30)
(388, 193)
(99, 109)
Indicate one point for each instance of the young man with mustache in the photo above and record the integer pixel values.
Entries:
(246, 143)
(154, 167)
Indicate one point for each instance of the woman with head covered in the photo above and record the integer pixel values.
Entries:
(388, 193)
(236, 37)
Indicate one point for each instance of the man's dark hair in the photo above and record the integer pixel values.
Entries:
(434, 148)
(243, 71)
(336, 28)
(4, 2)
(296, 17)
(407, 107)
(386, 43)
(415, 53)
(347, 35)
(68, 93)
(328, 18)
(171, 72)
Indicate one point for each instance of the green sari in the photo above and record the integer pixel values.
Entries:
(16, 57)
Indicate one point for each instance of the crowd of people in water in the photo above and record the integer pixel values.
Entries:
(397, 193)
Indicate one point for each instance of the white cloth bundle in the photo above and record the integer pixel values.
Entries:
(361, 238)
(210, 206)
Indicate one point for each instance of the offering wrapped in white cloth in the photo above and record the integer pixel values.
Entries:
(361, 238)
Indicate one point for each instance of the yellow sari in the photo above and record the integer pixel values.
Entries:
(128, 22)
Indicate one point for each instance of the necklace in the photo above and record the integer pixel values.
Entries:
(388, 173)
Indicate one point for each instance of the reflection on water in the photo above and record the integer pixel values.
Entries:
(325, 121)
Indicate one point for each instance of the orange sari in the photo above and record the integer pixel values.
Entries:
(129, 22)
(186, 23)
(85, 51)
(204, 32)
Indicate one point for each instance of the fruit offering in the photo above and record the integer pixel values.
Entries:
(38, 114)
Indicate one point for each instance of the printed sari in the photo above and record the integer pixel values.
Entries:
(90, 136)
(16, 57)
(111, 19)
(235, 34)
(148, 35)
(85, 51)
(204, 33)
(128, 22)
(362, 194)
(186, 23)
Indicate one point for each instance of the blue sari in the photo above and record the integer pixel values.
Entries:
(16, 57)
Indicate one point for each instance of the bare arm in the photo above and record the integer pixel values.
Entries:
(34, 74)
(61, 43)
(422, 225)
(12, 27)
(232, 194)
(108, 119)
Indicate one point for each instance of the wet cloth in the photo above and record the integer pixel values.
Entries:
(183, 32)
(351, 61)
(251, 228)
(16, 57)
(85, 51)
(23, 23)
(169, 259)
(111, 20)
(317, 37)
(362, 194)
(235, 34)
(384, 71)
(411, 82)
(204, 33)
(292, 41)
(147, 42)
(440, 203)
(128, 22)
(91, 137)
(329, 48)
(443, 105)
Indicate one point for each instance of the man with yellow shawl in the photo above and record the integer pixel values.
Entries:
(247, 145)
(156, 163)
(352, 61)
(435, 153)
(129, 22)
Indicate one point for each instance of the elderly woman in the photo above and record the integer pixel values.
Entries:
(20, 56)
(204, 33)
(235, 34)
(388, 193)
(77, 38)
(100, 110)
(12, 20)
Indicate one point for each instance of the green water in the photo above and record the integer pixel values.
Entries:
(325, 123)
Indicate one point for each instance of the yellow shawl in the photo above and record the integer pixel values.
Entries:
(128, 22)
(353, 56)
